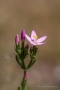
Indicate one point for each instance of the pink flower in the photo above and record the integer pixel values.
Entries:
(17, 39)
(34, 40)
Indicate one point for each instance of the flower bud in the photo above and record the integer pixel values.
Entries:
(25, 74)
(23, 35)
(17, 40)
(27, 46)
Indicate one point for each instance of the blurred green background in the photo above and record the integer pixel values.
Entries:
(43, 16)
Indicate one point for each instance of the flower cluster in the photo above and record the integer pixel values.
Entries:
(23, 51)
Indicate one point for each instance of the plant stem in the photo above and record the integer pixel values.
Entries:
(24, 81)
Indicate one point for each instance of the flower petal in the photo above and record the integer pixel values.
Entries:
(33, 33)
(42, 39)
(29, 39)
(40, 43)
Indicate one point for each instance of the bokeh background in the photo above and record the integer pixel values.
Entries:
(43, 16)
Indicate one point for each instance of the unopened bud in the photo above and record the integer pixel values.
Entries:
(17, 40)
(23, 35)
(27, 46)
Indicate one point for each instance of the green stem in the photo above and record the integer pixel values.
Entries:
(23, 84)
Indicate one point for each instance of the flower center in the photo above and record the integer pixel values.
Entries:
(35, 40)
(35, 36)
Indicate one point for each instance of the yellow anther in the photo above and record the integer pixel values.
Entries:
(35, 36)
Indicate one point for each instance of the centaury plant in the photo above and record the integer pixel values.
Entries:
(23, 51)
